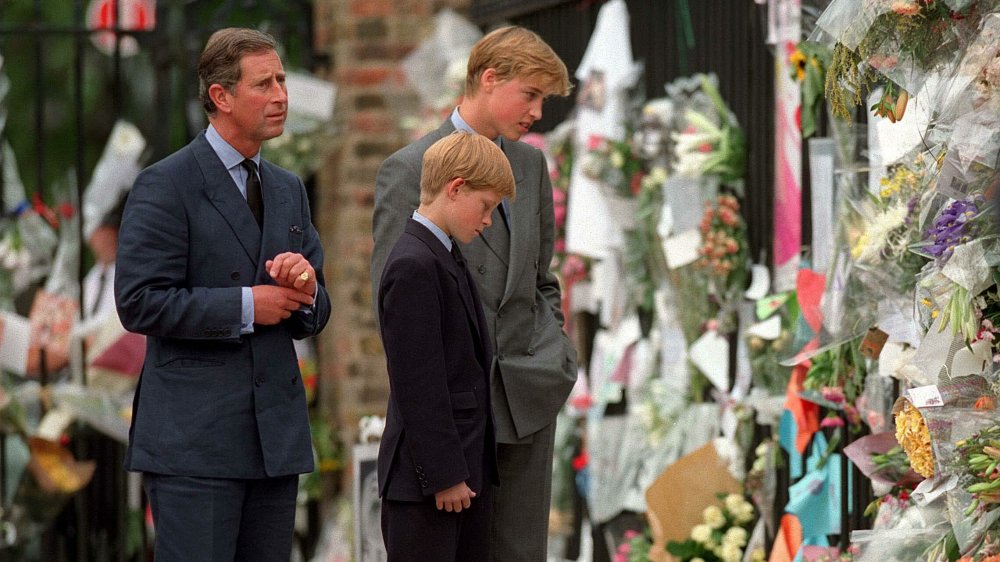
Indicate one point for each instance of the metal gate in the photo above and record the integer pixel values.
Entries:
(74, 68)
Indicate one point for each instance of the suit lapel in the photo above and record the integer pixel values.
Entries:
(276, 201)
(226, 197)
(461, 278)
(518, 230)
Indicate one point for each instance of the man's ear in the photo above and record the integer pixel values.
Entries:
(453, 187)
(220, 97)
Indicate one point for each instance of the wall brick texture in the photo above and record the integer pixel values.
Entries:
(365, 41)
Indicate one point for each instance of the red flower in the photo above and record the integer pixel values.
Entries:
(636, 185)
(580, 461)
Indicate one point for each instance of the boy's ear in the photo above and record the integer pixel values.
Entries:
(488, 79)
(454, 186)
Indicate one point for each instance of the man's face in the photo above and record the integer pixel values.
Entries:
(260, 100)
(514, 105)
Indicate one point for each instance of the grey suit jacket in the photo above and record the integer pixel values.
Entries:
(212, 402)
(535, 363)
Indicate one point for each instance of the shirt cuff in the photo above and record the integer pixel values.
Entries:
(246, 318)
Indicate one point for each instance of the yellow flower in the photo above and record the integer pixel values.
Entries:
(798, 61)
(915, 439)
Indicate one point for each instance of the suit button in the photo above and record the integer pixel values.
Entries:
(420, 470)
(258, 381)
(481, 269)
(531, 351)
(500, 357)
(423, 484)
(234, 275)
(534, 308)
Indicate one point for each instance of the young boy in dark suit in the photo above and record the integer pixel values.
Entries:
(437, 459)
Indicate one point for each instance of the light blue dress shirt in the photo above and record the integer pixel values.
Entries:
(232, 160)
(435, 229)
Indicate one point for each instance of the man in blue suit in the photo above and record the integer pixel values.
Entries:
(219, 265)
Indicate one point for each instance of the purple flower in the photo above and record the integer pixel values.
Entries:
(952, 227)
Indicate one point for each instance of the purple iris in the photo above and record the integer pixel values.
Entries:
(952, 227)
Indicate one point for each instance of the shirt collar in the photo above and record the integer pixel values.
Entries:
(435, 229)
(230, 156)
(461, 125)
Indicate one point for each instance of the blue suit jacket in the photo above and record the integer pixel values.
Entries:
(439, 428)
(210, 402)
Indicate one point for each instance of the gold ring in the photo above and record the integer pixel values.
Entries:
(304, 276)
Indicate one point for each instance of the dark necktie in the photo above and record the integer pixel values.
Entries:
(457, 254)
(254, 199)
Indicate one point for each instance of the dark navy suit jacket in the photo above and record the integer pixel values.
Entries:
(439, 428)
(210, 401)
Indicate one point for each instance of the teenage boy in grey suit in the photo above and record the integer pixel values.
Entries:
(219, 265)
(437, 459)
(511, 71)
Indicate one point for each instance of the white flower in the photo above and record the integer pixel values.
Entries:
(658, 174)
(692, 142)
(591, 165)
(736, 536)
(731, 553)
(701, 533)
(617, 159)
(713, 517)
(879, 230)
(734, 502)
(690, 164)
(744, 514)
(697, 559)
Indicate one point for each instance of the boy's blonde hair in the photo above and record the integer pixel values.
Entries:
(516, 52)
(472, 157)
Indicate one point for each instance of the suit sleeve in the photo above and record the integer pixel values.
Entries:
(397, 194)
(151, 288)
(309, 322)
(411, 306)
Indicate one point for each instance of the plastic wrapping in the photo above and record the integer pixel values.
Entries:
(113, 176)
(442, 55)
(895, 545)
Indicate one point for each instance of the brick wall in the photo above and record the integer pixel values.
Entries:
(365, 40)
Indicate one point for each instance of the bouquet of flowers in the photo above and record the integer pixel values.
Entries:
(895, 45)
(722, 535)
(616, 164)
(723, 253)
(954, 287)
(808, 64)
(710, 142)
(635, 548)
(915, 439)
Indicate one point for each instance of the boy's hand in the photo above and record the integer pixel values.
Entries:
(455, 498)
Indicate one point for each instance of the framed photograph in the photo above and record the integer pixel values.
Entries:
(368, 545)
